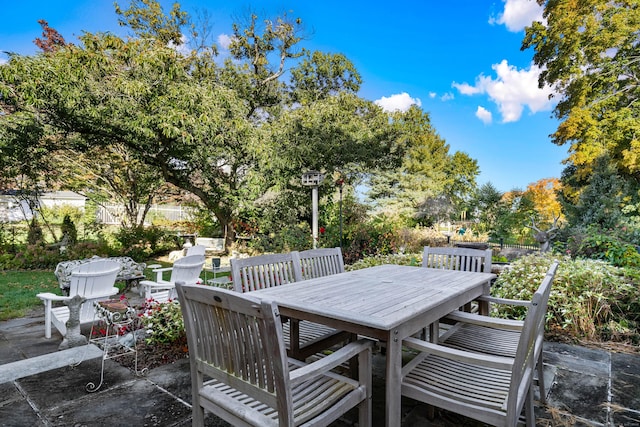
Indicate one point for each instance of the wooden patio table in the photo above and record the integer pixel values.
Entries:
(387, 302)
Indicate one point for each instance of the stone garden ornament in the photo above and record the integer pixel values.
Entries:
(544, 237)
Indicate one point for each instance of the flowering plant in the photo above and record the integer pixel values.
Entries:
(163, 322)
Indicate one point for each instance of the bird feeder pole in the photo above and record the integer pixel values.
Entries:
(313, 179)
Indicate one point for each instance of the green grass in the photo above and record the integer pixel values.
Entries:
(18, 291)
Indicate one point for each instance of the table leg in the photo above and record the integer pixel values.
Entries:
(393, 380)
(483, 306)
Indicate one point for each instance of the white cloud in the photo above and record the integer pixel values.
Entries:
(224, 41)
(398, 102)
(518, 14)
(432, 95)
(511, 90)
(447, 96)
(484, 115)
(466, 89)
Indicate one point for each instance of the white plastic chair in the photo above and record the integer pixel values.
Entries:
(196, 250)
(186, 269)
(93, 281)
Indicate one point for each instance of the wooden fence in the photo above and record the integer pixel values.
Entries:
(112, 214)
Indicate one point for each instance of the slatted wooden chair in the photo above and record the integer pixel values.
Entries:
(236, 340)
(186, 269)
(321, 262)
(463, 259)
(491, 389)
(93, 281)
(264, 271)
(496, 336)
(303, 338)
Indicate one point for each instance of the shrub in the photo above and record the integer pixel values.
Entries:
(590, 300)
(35, 234)
(596, 244)
(142, 243)
(31, 257)
(286, 239)
(400, 259)
(68, 228)
(163, 322)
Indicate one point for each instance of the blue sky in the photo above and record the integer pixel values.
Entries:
(460, 61)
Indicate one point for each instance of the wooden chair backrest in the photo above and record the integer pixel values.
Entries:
(237, 339)
(465, 259)
(187, 269)
(321, 262)
(525, 359)
(94, 278)
(265, 271)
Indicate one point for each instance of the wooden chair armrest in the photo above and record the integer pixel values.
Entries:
(490, 361)
(496, 300)
(315, 369)
(491, 322)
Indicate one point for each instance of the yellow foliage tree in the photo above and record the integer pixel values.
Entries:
(543, 194)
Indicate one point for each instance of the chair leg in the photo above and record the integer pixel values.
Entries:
(541, 388)
(47, 319)
(365, 417)
(197, 416)
(197, 411)
(529, 408)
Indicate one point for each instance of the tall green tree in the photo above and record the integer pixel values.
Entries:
(588, 51)
(212, 130)
(429, 182)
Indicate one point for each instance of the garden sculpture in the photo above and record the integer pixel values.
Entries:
(544, 237)
(73, 337)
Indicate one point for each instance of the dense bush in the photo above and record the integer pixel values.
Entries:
(607, 245)
(35, 234)
(68, 228)
(286, 239)
(163, 322)
(142, 243)
(400, 259)
(41, 256)
(30, 257)
(591, 300)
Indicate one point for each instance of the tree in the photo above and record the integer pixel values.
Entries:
(463, 171)
(600, 202)
(543, 194)
(214, 131)
(588, 51)
(429, 181)
(487, 207)
(111, 174)
(51, 39)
